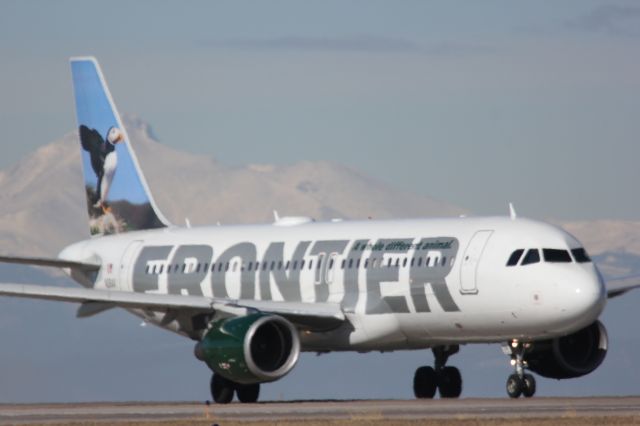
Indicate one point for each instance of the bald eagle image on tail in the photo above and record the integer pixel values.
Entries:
(104, 160)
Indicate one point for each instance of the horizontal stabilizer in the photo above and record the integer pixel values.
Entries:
(56, 263)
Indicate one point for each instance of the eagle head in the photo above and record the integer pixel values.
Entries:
(114, 135)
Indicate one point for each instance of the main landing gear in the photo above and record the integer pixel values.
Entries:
(520, 383)
(441, 377)
(222, 390)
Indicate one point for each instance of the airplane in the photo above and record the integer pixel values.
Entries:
(253, 297)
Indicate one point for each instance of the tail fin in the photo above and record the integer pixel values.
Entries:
(118, 198)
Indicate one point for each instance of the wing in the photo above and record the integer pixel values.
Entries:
(92, 142)
(317, 316)
(56, 263)
(619, 286)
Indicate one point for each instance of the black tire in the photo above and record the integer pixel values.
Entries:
(514, 386)
(528, 386)
(450, 382)
(222, 389)
(425, 383)
(248, 393)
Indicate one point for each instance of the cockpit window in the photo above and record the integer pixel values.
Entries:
(532, 256)
(515, 257)
(580, 255)
(556, 256)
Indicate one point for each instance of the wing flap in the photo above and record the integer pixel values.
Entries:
(310, 316)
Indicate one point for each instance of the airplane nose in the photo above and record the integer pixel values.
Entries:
(585, 296)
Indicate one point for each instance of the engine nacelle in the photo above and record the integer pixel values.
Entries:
(251, 349)
(570, 356)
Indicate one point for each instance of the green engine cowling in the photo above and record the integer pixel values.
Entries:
(251, 349)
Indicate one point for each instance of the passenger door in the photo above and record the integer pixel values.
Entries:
(470, 261)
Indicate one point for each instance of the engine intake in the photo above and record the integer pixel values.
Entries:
(570, 356)
(251, 349)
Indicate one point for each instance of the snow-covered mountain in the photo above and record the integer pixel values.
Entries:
(42, 206)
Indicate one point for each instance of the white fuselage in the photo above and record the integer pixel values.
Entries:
(401, 283)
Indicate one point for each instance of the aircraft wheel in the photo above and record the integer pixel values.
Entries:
(248, 393)
(528, 386)
(515, 386)
(424, 383)
(450, 382)
(221, 389)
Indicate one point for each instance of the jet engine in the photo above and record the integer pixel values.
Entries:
(570, 356)
(250, 349)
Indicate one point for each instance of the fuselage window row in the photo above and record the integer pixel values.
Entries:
(271, 265)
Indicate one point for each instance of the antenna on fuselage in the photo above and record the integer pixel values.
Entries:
(276, 216)
(512, 212)
(187, 222)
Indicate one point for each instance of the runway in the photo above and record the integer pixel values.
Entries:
(353, 412)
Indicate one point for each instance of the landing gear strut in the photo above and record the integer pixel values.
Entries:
(222, 390)
(439, 377)
(520, 383)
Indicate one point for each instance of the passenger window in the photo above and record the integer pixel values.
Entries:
(580, 255)
(366, 263)
(287, 265)
(358, 263)
(295, 264)
(273, 265)
(343, 263)
(556, 256)
(404, 262)
(532, 256)
(515, 257)
(444, 260)
(302, 264)
(419, 261)
(350, 263)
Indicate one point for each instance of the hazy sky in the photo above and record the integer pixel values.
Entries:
(476, 103)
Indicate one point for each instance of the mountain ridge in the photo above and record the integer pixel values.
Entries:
(42, 205)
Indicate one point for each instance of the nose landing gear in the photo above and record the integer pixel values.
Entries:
(520, 383)
(440, 377)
